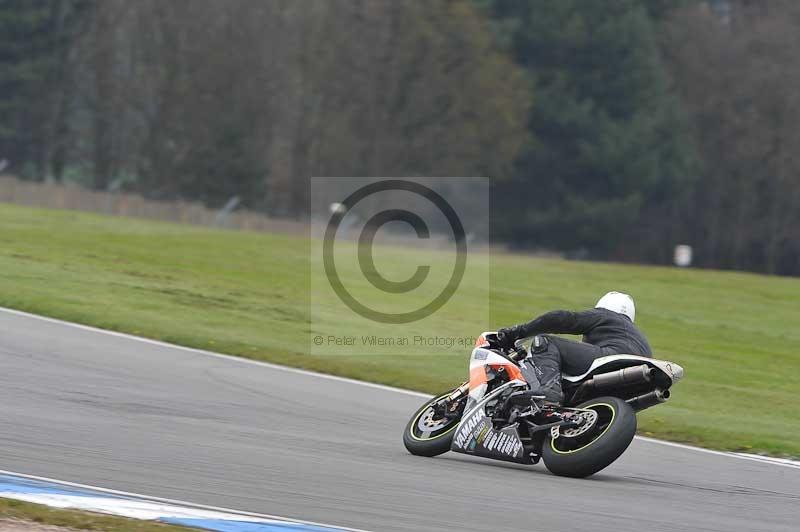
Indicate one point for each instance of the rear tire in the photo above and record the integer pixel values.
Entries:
(427, 435)
(586, 453)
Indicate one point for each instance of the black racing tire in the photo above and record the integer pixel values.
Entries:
(429, 443)
(602, 443)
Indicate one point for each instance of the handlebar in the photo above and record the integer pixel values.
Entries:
(514, 354)
(518, 353)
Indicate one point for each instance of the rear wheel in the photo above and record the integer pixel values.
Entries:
(608, 429)
(429, 433)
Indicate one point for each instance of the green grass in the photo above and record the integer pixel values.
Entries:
(248, 294)
(37, 513)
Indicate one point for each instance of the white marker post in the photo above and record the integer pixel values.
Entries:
(683, 256)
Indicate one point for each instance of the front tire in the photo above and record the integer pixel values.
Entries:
(429, 435)
(585, 450)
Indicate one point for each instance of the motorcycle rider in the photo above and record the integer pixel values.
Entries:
(607, 329)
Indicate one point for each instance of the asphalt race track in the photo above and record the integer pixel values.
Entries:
(116, 412)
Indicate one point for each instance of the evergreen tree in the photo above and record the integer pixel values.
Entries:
(34, 38)
(22, 39)
(610, 141)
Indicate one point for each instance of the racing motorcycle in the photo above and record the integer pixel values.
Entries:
(496, 414)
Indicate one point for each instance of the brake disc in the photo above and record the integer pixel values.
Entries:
(428, 424)
(589, 418)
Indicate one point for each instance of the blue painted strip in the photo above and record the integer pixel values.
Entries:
(10, 483)
(131, 505)
(225, 525)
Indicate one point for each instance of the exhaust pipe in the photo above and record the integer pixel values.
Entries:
(656, 397)
(615, 379)
(623, 377)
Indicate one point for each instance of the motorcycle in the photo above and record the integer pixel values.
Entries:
(496, 414)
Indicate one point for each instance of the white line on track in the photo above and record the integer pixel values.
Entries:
(178, 502)
(742, 456)
(240, 360)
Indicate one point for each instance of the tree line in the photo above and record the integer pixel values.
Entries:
(611, 129)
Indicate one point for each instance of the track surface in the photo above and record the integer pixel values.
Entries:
(119, 413)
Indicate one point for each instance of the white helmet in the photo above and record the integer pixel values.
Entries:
(619, 303)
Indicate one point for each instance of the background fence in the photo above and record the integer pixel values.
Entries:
(60, 196)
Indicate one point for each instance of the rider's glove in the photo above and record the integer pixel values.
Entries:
(506, 337)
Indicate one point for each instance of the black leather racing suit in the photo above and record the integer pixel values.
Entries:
(604, 333)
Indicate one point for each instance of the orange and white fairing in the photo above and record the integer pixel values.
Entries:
(484, 360)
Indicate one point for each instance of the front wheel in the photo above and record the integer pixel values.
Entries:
(429, 433)
(608, 429)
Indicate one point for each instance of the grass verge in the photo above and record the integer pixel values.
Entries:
(38, 513)
(247, 294)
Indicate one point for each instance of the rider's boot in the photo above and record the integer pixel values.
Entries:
(542, 370)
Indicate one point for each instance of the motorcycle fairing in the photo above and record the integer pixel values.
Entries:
(476, 435)
(485, 359)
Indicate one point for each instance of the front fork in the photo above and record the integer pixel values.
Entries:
(449, 406)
